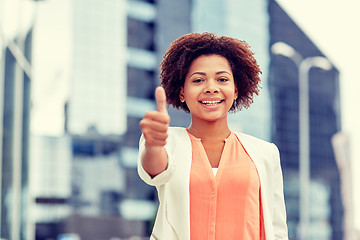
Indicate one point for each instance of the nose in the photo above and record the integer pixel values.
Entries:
(211, 87)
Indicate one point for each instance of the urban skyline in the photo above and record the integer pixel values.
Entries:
(58, 77)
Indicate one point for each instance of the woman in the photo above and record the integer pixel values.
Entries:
(212, 183)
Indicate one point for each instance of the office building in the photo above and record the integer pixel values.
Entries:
(50, 189)
(15, 81)
(326, 211)
(98, 74)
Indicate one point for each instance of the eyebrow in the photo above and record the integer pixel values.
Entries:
(204, 74)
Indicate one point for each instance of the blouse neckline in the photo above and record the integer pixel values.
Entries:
(231, 135)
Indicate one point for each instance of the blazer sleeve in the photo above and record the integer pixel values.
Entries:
(279, 211)
(161, 178)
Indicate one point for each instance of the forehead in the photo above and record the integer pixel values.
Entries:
(210, 62)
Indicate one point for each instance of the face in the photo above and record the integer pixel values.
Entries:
(209, 90)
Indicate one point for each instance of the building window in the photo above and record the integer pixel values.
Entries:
(140, 34)
(140, 82)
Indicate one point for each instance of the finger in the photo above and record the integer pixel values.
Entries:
(151, 140)
(158, 116)
(160, 99)
(160, 136)
(153, 125)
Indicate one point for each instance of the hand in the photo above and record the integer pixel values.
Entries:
(155, 124)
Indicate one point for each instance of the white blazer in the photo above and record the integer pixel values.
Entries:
(173, 216)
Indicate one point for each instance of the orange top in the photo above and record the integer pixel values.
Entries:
(227, 205)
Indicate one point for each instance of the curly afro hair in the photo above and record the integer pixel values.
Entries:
(184, 50)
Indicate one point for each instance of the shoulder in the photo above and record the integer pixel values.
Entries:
(256, 143)
(252, 139)
(176, 134)
(177, 130)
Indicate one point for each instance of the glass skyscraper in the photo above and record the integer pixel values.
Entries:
(326, 211)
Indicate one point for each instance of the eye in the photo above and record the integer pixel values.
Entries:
(198, 80)
(222, 79)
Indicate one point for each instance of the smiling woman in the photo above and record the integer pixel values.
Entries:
(184, 50)
(206, 174)
(209, 90)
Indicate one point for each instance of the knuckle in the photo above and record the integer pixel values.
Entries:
(146, 115)
(146, 133)
(149, 115)
(167, 118)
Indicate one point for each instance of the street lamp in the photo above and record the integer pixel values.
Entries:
(303, 65)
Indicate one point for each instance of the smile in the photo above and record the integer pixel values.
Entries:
(211, 103)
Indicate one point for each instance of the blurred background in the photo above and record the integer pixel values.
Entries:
(76, 77)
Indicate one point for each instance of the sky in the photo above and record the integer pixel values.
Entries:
(333, 25)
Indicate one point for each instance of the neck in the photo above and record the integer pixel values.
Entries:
(210, 131)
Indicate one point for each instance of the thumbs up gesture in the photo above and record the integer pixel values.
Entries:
(155, 124)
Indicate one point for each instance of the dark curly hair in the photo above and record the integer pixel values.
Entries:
(184, 50)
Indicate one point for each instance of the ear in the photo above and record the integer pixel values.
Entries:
(236, 93)
(181, 95)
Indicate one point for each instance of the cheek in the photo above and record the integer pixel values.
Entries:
(189, 93)
(231, 91)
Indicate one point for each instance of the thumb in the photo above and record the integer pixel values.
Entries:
(160, 99)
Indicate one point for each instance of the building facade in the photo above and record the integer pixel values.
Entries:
(15, 82)
(50, 184)
(326, 212)
(98, 73)
(15, 111)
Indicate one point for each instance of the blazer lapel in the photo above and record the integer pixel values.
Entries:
(257, 154)
(252, 150)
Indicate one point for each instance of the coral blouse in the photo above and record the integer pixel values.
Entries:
(227, 205)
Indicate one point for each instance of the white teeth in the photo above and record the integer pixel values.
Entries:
(211, 102)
